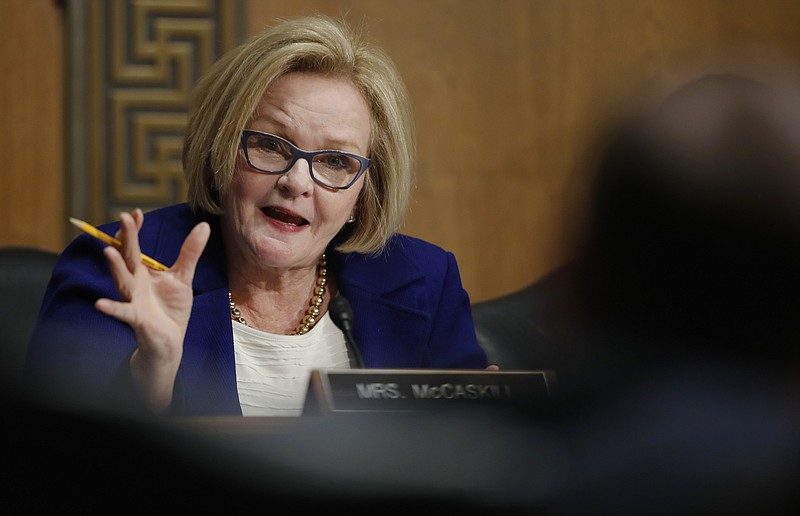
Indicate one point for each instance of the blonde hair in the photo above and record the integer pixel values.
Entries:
(227, 96)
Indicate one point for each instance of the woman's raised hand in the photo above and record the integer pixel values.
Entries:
(156, 304)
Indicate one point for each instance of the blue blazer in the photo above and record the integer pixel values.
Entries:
(410, 311)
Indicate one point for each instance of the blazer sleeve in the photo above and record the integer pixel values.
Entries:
(78, 355)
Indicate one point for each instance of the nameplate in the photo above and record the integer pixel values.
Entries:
(406, 390)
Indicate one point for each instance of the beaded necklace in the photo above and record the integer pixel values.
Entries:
(312, 314)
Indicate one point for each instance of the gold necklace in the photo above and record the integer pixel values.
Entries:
(310, 319)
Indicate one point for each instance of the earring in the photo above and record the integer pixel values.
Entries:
(351, 219)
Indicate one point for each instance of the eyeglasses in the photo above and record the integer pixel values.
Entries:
(272, 154)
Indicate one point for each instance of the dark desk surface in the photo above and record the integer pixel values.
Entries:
(234, 425)
(463, 462)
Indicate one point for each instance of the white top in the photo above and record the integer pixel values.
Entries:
(272, 371)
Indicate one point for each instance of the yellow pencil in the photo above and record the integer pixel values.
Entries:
(88, 228)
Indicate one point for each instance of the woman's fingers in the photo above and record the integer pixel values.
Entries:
(124, 262)
(119, 271)
(191, 250)
(138, 217)
(120, 311)
(129, 236)
(124, 281)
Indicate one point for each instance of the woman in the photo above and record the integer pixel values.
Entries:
(263, 245)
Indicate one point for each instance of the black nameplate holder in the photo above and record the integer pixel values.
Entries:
(408, 390)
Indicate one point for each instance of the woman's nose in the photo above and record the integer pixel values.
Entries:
(297, 179)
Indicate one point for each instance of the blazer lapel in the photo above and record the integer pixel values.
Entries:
(387, 325)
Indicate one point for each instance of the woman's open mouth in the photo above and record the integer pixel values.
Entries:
(284, 216)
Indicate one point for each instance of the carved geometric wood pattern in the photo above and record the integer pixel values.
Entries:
(131, 68)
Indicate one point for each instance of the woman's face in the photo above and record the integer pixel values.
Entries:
(287, 220)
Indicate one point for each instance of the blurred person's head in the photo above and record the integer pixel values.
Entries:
(693, 241)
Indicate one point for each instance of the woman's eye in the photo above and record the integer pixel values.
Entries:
(335, 161)
(268, 144)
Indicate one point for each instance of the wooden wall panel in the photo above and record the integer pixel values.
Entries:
(132, 66)
(507, 95)
(31, 124)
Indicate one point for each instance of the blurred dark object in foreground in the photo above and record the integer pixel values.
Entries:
(687, 446)
(692, 244)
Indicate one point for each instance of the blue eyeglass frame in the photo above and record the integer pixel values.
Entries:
(298, 153)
